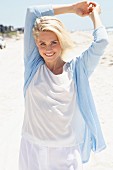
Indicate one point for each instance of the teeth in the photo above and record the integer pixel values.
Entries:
(49, 54)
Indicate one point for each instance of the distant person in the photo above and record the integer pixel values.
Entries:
(61, 125)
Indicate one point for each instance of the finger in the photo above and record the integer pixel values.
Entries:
(93, 4)
(91, 9)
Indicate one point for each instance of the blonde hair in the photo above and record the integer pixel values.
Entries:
(50, 23)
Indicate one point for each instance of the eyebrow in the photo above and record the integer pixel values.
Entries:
(44, 41)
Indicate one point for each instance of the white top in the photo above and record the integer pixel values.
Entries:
(50, 108)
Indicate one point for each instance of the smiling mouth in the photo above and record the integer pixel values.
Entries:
(50, 55)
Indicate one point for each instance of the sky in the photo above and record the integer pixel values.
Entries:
(12, 12)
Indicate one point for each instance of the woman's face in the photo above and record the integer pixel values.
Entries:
(49, 46)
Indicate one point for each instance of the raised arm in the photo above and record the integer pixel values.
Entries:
(32, 57)
(31, 15)
(92, 55)
(80, 8)
(95, 17)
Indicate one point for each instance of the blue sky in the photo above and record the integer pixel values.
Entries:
(12, 12)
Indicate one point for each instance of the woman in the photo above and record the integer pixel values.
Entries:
(60, 126)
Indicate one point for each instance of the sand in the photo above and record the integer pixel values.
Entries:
(12, 101)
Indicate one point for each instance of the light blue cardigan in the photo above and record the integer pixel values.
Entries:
(89, 135)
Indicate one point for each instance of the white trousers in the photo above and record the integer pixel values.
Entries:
(34, 157)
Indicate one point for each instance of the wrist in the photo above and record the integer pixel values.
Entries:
(68, 8)
(95, 17)
(94, 14)
(62, 9)
(73, 8)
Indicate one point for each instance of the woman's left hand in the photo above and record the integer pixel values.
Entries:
(83, 8)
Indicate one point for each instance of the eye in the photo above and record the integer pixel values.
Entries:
(54, 43)
(42, 44)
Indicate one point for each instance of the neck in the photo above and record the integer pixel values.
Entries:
(56, 67)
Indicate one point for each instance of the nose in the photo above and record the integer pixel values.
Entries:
(48, 48)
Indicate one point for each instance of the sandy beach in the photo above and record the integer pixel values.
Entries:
(12, 101)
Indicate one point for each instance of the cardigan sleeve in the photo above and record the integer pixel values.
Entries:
(33, 12)
(91, 56)
(32, 58)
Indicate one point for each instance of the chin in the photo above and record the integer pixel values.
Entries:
(52, 58)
